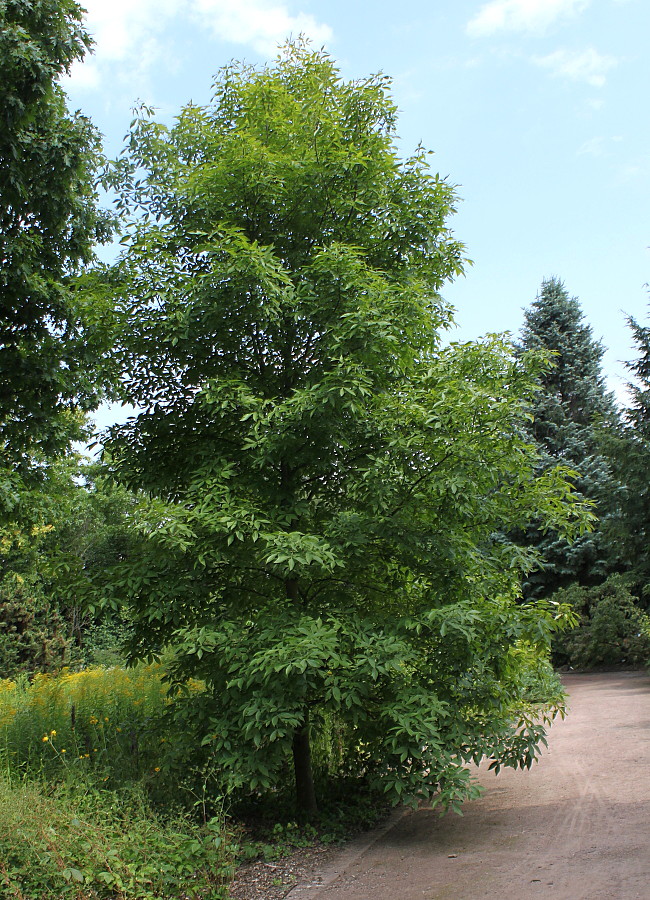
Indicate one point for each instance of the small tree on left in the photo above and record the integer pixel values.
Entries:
(49, 223)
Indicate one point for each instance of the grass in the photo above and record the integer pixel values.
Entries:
(84, 844)
(83, 812)
(100, 799)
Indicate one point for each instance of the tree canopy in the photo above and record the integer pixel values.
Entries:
(49, 224)
(327, 485)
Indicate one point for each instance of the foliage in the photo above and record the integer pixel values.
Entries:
(87, 844)
(640, 368)
(64, 528)
(631, 452)
(48, 226)
(612, 630)
(348, 807)
(325, 483)
(569, 417)
(75, 723)
(32, 635)
(94, 832)
(34, 632)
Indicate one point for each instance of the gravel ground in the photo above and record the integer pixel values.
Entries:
(261, 880)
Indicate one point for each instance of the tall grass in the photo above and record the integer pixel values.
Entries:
(98, 719)
(86, 811)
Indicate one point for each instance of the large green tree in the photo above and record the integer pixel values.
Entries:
(326, 484)
(569, 417)
(48, 225)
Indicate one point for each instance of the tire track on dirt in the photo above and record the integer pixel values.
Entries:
(576, 827)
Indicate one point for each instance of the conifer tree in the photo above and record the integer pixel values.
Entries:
(639, 414)
(568, 417)
(633, 457)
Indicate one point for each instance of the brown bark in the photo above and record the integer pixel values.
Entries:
(305, 791)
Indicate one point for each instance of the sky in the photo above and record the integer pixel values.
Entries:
(537, 110)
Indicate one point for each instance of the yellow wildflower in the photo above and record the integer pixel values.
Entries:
(45, 738)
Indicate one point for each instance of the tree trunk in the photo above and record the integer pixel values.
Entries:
(305, 792)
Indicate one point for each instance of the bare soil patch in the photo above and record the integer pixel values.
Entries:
(260, 880)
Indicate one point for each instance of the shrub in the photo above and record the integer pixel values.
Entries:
(33, 636)
(612, 629)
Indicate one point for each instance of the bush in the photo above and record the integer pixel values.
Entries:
(33, 636)
(103, 642)
(92, 845)
(612, 629)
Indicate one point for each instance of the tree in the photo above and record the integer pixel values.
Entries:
(325, 482)
(48, 226)
(75, 524)
(611, 629)
(631, 452)
(639, 413)
(568, 417)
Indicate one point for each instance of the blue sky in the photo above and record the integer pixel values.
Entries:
(536, 109)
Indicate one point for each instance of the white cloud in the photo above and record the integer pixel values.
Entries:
(599, 146)
(587, 65)
(521, 15)
(593, 147)
(125, 32)
(131, 32)
(260, 24)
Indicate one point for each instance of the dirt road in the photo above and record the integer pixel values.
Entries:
(576, 827)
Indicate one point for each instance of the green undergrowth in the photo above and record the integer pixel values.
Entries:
(271, 829)
(86, 810)
(103, 797)
(78, 842)
(83, 723)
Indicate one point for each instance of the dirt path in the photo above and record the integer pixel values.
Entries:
(577, 827)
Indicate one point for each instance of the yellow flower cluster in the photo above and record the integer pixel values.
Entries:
(90, 710)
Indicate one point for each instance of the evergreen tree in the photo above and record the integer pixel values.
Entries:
(639, 414)
(569, 414)
(633, 456)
